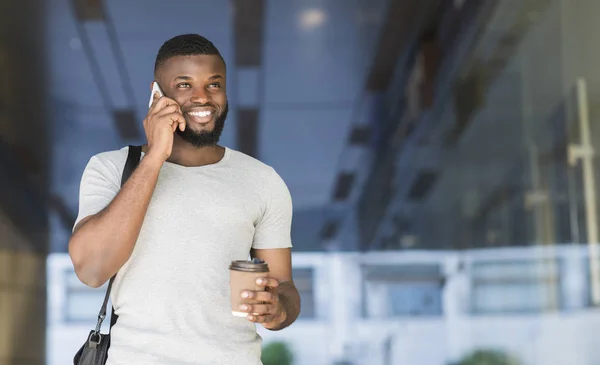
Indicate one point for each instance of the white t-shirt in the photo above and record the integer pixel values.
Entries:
(172, 295)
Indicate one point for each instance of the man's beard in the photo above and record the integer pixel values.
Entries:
(205, 138)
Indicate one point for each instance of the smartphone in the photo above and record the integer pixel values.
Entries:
(155, 89)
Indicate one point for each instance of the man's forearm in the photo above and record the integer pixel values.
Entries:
(290, 301)
(104, 242)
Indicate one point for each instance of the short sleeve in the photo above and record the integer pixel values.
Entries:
(274, 228)
(99, 186)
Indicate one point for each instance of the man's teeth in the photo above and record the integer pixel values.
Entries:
(200, 114)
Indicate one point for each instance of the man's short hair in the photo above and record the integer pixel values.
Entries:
(185, 45)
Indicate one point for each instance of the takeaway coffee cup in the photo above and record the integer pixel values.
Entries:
(242, 276)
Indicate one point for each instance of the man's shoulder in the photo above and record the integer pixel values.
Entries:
(250, 164)
(258, 171)
(110, 159)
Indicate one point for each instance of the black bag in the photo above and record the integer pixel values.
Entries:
(95, 349)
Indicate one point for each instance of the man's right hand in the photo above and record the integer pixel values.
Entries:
(162, 120)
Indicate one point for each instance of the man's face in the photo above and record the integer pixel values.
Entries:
(197, 83)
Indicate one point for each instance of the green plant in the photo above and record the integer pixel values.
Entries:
(277, 353)
(488, 357)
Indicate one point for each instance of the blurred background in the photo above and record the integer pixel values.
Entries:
(440, 154)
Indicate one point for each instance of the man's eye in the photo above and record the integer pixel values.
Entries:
(183, 85)
(215, 84)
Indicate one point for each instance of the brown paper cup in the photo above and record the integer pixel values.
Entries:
(242, 276)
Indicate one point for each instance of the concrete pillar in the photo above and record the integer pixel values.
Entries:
(345, 302)
(22, 299)
(456, 299)
(574, 280)
(24, 177)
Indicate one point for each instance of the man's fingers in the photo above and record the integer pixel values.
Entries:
(155, 98)
(262, 319)
(158, 103)
(162, 103)
(262, 296)
(164, 107)
(181, 121)
(169, 111)
(172, 108)
(271, 282)
(257, 309)
(175, 120)
(172, 117)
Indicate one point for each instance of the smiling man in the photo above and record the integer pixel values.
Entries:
(188, 210)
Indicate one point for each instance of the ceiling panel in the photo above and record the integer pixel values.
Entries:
(70, 74)
(306, 20)
(311, 74)
(118, 86)
(158, 19)
(139, 61)
(304, 147)
(74, 144)
(313, 51)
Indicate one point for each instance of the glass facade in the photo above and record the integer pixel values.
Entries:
(517, 135)
(499, 172)
(515, 144)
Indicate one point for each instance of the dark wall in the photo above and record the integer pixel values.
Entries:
(24, 180)
(24, 145)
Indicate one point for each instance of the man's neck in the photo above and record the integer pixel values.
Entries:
(187, 155)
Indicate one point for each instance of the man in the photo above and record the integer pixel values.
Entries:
(187, 211)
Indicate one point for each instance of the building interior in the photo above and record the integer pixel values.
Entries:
(417, 138)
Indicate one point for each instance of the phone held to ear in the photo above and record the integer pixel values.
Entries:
(155, 89)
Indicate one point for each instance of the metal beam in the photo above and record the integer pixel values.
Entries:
(125, 119)
(393, 40)
(247, 130)
(248, 32)
(248, 47)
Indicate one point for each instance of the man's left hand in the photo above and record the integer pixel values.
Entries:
(270, 313)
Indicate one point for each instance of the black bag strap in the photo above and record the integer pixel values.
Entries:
(133, 159)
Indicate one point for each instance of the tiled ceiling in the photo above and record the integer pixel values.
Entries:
(315, 60)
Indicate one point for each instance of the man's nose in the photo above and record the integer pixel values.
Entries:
(200, 96)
